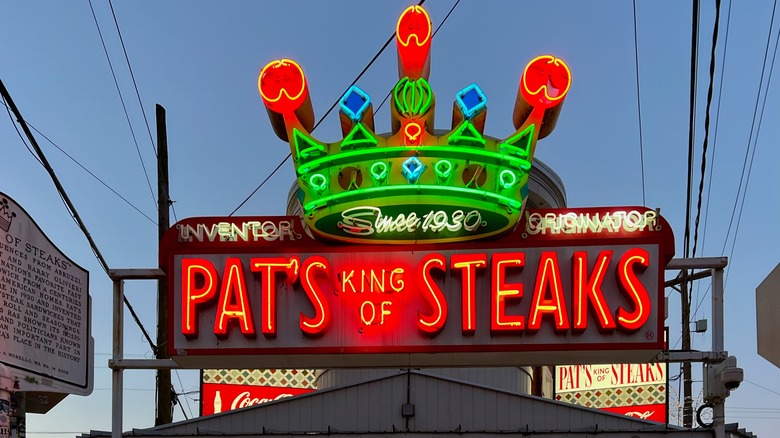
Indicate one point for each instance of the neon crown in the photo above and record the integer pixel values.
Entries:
(413, 184)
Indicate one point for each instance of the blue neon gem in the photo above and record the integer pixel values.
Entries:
(412, 168)
(354, 103)
(471, 100)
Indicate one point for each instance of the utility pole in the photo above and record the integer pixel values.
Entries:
(164, 387)
(686, 346)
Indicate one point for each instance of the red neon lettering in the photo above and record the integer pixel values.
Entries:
(320, 322)
(502, 292)
(469, 264)
(588, 290)
(195, 272)
(548, 278)
(268, 268)
(432, 324)
(635, 259)
(233, 300)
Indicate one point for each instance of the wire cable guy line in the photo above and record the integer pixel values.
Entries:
(639, 110)
(750, 137)
(717, 124)
(68, 204)
(64, 152)
(132, 76)
(124, 107)
(691, 126)
(755, 146)
(432, 35)
(360, 75)
(716, 26)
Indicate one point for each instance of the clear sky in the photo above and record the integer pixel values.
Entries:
(201, 59)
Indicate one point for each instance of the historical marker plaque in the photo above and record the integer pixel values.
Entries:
(44, 302)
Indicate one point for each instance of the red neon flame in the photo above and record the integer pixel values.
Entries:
(282, 86)
(413, 37)
(412, 132)
(545, 81)
(635, 259)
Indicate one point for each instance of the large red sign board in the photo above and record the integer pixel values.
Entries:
(581, 285)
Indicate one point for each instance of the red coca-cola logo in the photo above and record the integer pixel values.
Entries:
(245, 399)
(222, 397)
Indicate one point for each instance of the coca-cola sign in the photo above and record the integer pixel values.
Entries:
(221, 397)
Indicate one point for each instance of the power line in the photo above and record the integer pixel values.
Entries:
(75, 161)
(639, 110)
(752, 126)
(691, 124)
(182, 393)
(132, 76)
(755, 146)
(717, 124)
(762, 387)
(360, 75)
(137, 93)
(66, 200)
(432, 35)
(24, 142)
(705, 142)
(122, 100)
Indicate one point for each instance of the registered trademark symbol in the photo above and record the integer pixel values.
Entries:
(649, 335)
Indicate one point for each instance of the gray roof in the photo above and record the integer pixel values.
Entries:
(438, 406)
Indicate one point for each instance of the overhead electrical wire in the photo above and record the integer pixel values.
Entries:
(138, 94)
(769, 80)
(705, 142)
(691, 126)
(753, 154)
(24, 142)
(68, 204)
(132, 76)
(750, 136)
(432, 35)
(639, 110)
(717, 124)
(97, 178)
(360, 75)
(124, 107)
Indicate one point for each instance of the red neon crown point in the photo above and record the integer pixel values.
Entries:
(282, 86)
(545, 82)
(413, 39)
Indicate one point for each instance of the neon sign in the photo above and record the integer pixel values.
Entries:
(521, 293)
(414, 166)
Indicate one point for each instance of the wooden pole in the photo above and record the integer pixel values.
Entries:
(164, 387)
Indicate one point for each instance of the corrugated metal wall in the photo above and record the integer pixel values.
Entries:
(513, 379)
(441, 405)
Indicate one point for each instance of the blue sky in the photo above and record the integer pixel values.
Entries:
(201, 59)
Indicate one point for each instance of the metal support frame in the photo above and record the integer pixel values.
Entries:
(117, 363)
(713, 266)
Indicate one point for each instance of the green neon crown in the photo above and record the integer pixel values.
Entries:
(414, 184)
